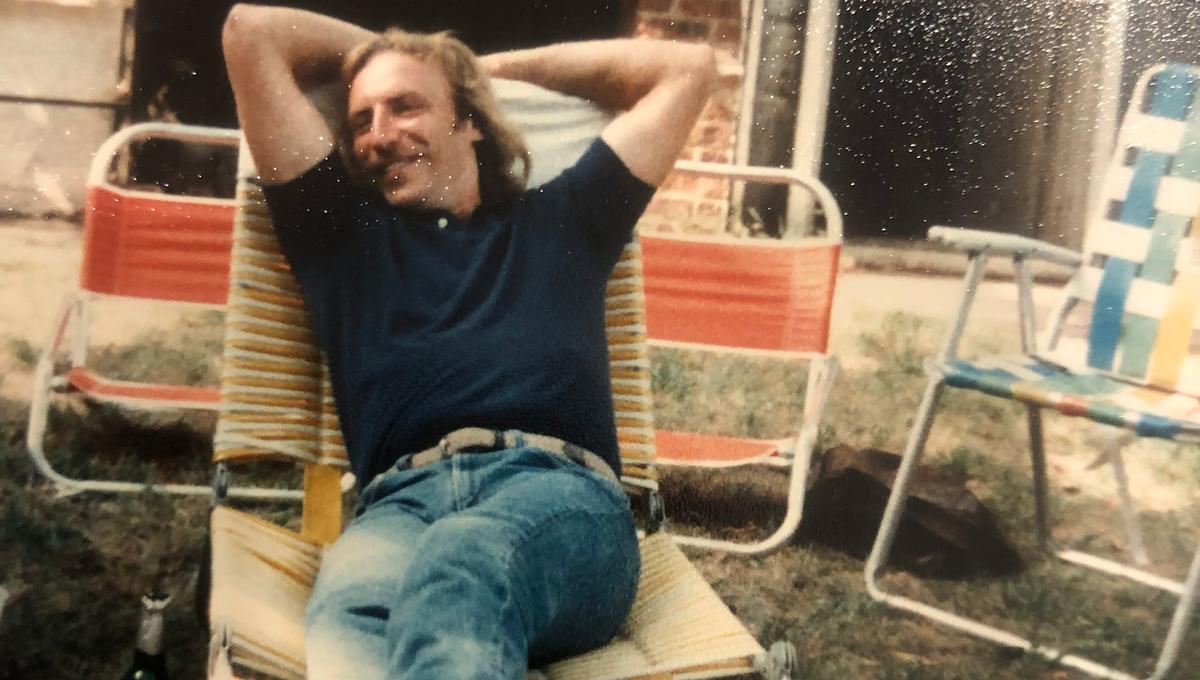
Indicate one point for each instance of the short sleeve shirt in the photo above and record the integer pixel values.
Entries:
(431, 322)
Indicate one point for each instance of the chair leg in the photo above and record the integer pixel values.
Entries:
(219, 665)
(779, 662)
(821, 377)
(891, 522)
(1180, 619)
(1037, 456)
(895, 505)
(1133, 531)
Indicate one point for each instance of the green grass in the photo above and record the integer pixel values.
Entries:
(842, 633)
(190, 356)
(75, 567)
(23, 351)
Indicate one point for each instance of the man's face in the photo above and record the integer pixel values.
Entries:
(407, 139)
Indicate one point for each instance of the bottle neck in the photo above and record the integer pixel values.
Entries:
(149, 666)
(150, 633)
(149, 662)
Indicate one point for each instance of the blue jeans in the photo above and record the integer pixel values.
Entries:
(474, 567)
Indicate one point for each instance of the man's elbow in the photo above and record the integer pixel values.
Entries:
(241, 26)
(698, 63)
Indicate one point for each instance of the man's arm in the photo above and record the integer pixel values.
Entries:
(660, 87)
(273, 54)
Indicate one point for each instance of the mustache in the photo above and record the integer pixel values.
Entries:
(412, 149)
(381, 164)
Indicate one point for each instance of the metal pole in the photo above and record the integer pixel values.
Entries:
(812, 108)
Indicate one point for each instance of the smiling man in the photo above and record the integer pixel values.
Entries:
(405, 132)
(401, 121)
(463, 320)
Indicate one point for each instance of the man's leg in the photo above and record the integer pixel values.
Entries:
(358, 582)
(543, 564)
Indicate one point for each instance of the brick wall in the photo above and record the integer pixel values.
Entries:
(693, 204)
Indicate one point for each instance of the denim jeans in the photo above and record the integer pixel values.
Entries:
(474, 567)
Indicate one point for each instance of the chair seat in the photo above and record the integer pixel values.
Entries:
(143, 395)
(263, 574)
(1148, 411)
(709, 450)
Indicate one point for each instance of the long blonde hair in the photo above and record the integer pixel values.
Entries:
(498, 153)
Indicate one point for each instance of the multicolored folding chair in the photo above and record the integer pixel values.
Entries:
(276, 404)
(141, 245)
(756, 297)
(1135, 297)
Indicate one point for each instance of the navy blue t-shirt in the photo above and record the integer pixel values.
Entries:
(432, 323)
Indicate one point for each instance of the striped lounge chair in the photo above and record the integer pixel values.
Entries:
(276, 403)
(1133, 304)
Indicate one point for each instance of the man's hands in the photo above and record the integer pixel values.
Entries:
(274, 55)
(660, 88)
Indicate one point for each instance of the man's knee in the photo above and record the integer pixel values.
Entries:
(465, 543)
(373, 561)
(456, 657)
(359, 580)
(345, 635)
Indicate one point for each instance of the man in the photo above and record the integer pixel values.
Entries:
(446, 297)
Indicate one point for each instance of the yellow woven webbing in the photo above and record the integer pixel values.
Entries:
(1174, 336)
(1175, 331)
(322, 520)
(275, 396)
(629, 365)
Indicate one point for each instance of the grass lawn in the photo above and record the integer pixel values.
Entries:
(75, 567)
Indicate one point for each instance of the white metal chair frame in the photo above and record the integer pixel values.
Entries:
(74, 314)
(795, 450)
(979, 245)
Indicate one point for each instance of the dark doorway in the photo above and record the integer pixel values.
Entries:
(1159, 31)
(893, 144)
(179, 72)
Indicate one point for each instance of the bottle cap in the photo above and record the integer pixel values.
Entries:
(156, 601)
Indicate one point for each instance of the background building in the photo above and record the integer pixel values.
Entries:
(981, 113)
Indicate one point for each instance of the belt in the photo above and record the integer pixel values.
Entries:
(482, 440)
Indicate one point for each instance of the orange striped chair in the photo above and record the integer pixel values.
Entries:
(753, 297)
(1120, 350)
(276, 403)
(141, 245)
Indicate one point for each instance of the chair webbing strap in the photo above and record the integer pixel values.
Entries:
(322, 519)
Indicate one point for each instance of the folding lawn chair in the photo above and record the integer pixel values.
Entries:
(756, 297)
(1135, 293)
(142, 245)
(276, 402)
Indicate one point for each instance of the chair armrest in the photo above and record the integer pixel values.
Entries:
(195, 134)
(777, 176)
(977, 240)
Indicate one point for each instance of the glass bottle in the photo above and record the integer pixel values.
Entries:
(149, 661)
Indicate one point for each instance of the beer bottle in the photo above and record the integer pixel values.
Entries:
(149, 662)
